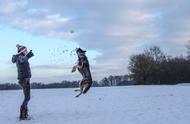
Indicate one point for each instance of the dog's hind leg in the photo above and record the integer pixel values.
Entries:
(79, 94)
(80, 85)
(86, 88)
(81, 91)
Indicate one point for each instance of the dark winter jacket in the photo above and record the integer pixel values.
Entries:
(23, 66)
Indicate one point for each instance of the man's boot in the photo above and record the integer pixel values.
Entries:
(23, 113)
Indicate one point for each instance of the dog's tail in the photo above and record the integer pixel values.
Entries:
(87, 89)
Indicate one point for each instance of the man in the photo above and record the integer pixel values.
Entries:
(24, 75)
(84, 68)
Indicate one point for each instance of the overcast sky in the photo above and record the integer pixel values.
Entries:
(111, 31)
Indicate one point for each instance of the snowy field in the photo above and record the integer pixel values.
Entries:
(115, 105)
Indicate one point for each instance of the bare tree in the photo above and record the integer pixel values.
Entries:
(188, 49)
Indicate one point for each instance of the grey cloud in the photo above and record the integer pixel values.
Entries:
(35, 20)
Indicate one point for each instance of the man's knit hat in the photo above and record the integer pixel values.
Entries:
(20, 47)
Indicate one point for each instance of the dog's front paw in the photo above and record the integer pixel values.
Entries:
(74, 69)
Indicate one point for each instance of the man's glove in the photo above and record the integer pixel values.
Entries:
(30, 54)
(14, 57)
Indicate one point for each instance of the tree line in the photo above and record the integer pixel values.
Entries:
(40, 85)
(153, 66)
(107, 81)
(122, 80)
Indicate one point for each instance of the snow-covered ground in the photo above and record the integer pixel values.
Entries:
(114, 105)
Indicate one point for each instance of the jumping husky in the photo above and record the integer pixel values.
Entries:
(84, 68)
